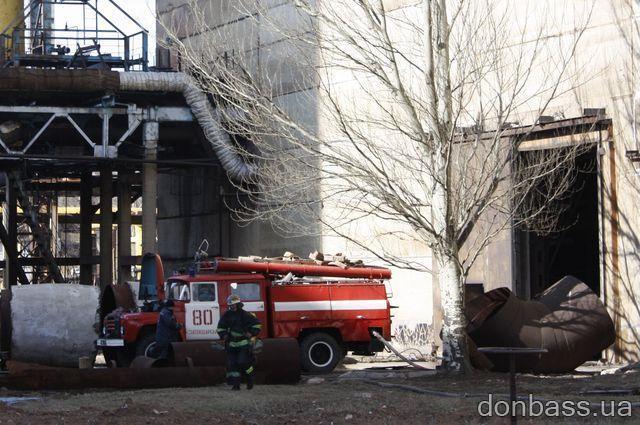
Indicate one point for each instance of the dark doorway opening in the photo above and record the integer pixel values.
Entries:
(573, 250)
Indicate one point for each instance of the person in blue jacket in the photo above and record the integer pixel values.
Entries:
(166, 330)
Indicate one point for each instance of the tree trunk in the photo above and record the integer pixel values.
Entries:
(450, 280)
(454, 337)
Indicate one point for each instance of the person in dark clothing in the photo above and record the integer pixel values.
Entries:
(239, 328)
(166, 330)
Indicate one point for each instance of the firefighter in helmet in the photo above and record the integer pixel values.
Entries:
(239, 329)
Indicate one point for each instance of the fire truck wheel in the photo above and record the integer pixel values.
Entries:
(144, 346)
(320, 353)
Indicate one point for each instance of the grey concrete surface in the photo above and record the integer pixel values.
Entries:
(53, 324)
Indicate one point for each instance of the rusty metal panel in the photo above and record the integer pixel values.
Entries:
(143, 362)
(277, 363)
(118, 378)
(114, 296)
(568, 319)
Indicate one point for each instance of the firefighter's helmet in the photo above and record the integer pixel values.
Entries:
(233, 299)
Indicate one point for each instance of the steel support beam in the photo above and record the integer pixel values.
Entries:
(10, 239)
(106, 224)
(124, 225)
(10, 214)
(60, 110)
(162, 113)
(11, 254)
(86, 214)
(40, 234)
(77, 218)
(150, 187)
(71, 261)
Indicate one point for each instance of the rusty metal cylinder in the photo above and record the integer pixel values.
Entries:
(144, 362)
(277, 363)
(568, 320)
(50, 324)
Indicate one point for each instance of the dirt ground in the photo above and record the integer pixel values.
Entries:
(333, 400)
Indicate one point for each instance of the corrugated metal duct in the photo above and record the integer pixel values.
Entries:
(201, 108)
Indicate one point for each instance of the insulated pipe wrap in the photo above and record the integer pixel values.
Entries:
(201, 108)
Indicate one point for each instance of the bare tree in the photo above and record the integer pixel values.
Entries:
(412, 106)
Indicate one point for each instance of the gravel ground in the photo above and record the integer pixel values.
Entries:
(366, 397)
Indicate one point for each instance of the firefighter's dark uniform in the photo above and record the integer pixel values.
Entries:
(233, 327)
(166, 331)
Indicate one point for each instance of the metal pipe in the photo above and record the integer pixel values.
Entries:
(364, 272)
(277, 363)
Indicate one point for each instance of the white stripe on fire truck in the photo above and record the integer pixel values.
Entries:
(253, 306)
(329, 305)
(359, 305)
(302, 305)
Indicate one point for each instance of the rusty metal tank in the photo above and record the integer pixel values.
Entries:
(568, 319)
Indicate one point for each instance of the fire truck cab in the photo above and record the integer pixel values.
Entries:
(329, 317)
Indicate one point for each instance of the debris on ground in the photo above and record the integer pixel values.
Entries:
(426, 399)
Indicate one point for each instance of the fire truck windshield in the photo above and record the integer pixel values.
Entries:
(178, 290)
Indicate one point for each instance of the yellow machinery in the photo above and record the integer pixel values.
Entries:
(10, 10)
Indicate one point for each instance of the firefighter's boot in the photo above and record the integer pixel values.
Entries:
(249, 373)
(233, 379)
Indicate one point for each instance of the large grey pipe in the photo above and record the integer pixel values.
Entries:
(50, 324)
(201, 108)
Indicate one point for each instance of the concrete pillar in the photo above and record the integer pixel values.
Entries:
(10, 217)
(150, 188)
(106, 222)
(124, 226)
(86, 215)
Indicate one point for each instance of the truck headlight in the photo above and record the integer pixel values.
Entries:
(121, 330)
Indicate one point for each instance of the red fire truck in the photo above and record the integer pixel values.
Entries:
(329, 309)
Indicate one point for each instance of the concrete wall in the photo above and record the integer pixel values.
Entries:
(279, 62)
(601, 74)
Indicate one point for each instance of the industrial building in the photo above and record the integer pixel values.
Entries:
(76, 142)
